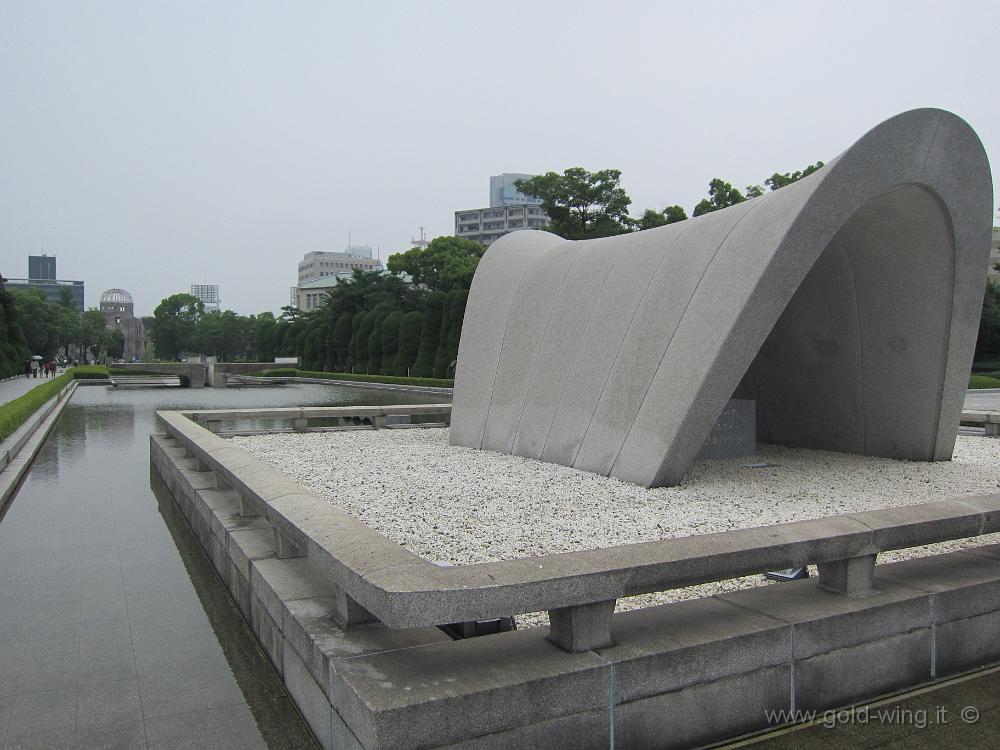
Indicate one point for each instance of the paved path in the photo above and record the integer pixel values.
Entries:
(11, 389)
(984, 400)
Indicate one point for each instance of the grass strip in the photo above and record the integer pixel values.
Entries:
(15, 413)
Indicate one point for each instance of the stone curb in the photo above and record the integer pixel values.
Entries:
(354, 384)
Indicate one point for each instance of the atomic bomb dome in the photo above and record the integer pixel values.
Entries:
(118, 308)
(116, 297)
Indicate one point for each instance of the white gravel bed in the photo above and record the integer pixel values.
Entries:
(463, 506)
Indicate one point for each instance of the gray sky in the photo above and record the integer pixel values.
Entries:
(151, 145)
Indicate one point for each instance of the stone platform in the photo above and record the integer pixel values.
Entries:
(667, 670)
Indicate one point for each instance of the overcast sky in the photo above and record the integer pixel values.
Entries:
(152, 145)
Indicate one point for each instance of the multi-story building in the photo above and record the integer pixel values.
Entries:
(119, 315)
(310, 295)
(485, 225)
(42, 267)
(208, 294)
(508, 211)
(318, 269)
(319, 263)
(503, 191)
(42, 276)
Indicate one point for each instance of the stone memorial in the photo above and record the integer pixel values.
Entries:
(846, 305)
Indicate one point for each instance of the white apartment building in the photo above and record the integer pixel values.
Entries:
(320, 263)
(485, 225)
(318, 269)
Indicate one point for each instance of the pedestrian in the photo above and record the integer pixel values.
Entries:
(34, 368)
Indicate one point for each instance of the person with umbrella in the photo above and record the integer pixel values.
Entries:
(34, 365)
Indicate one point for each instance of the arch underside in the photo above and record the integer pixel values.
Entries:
(855, 362)
(845, 305)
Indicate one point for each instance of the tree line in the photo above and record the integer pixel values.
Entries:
(31, 325)
(405, 322)
(583, 205)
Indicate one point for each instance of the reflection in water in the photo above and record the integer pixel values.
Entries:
(274, 713)
(92, 550)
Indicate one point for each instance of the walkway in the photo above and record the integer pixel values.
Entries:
(11, 389)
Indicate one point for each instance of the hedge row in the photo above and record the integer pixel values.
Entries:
(984, 381)
(394, 380)
(15, 413)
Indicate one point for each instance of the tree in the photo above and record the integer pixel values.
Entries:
(341, 339)
(67, 327)
(363, 325)
(13, 347)
(38, 321)
(174, 325)
(582, 204)
(721, 194)
(390, 342)
(670, 215)
(222, 334)
(409, 342)
(375, 342)
(115, 344)
(988, 343)
(446, 263)
(93, 332)
(778, 181)
(430, 335)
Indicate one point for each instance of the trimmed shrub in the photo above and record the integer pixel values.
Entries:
(409, 342)
(430, 335)
(15, 413)
(390, 342)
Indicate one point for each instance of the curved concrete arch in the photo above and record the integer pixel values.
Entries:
(847, 304)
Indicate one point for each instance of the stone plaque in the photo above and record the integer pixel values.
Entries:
(734, 432)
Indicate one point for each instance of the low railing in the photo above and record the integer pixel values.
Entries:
(990, 420)
(382, 580)
(344, 417)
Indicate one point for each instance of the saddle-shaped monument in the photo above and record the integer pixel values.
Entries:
(846, 305)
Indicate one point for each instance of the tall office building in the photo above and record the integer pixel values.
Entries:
(42, 267)
(504, 193)
(42, 276)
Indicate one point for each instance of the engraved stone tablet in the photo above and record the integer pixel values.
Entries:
(734, 433)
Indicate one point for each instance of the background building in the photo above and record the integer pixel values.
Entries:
(42, 276)
(484, 225)
(320, 263)
(208, 294)
(509, 210)
(119, 315)
(322, 266)
(503, 192)
(42, 267)
(310, 295)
